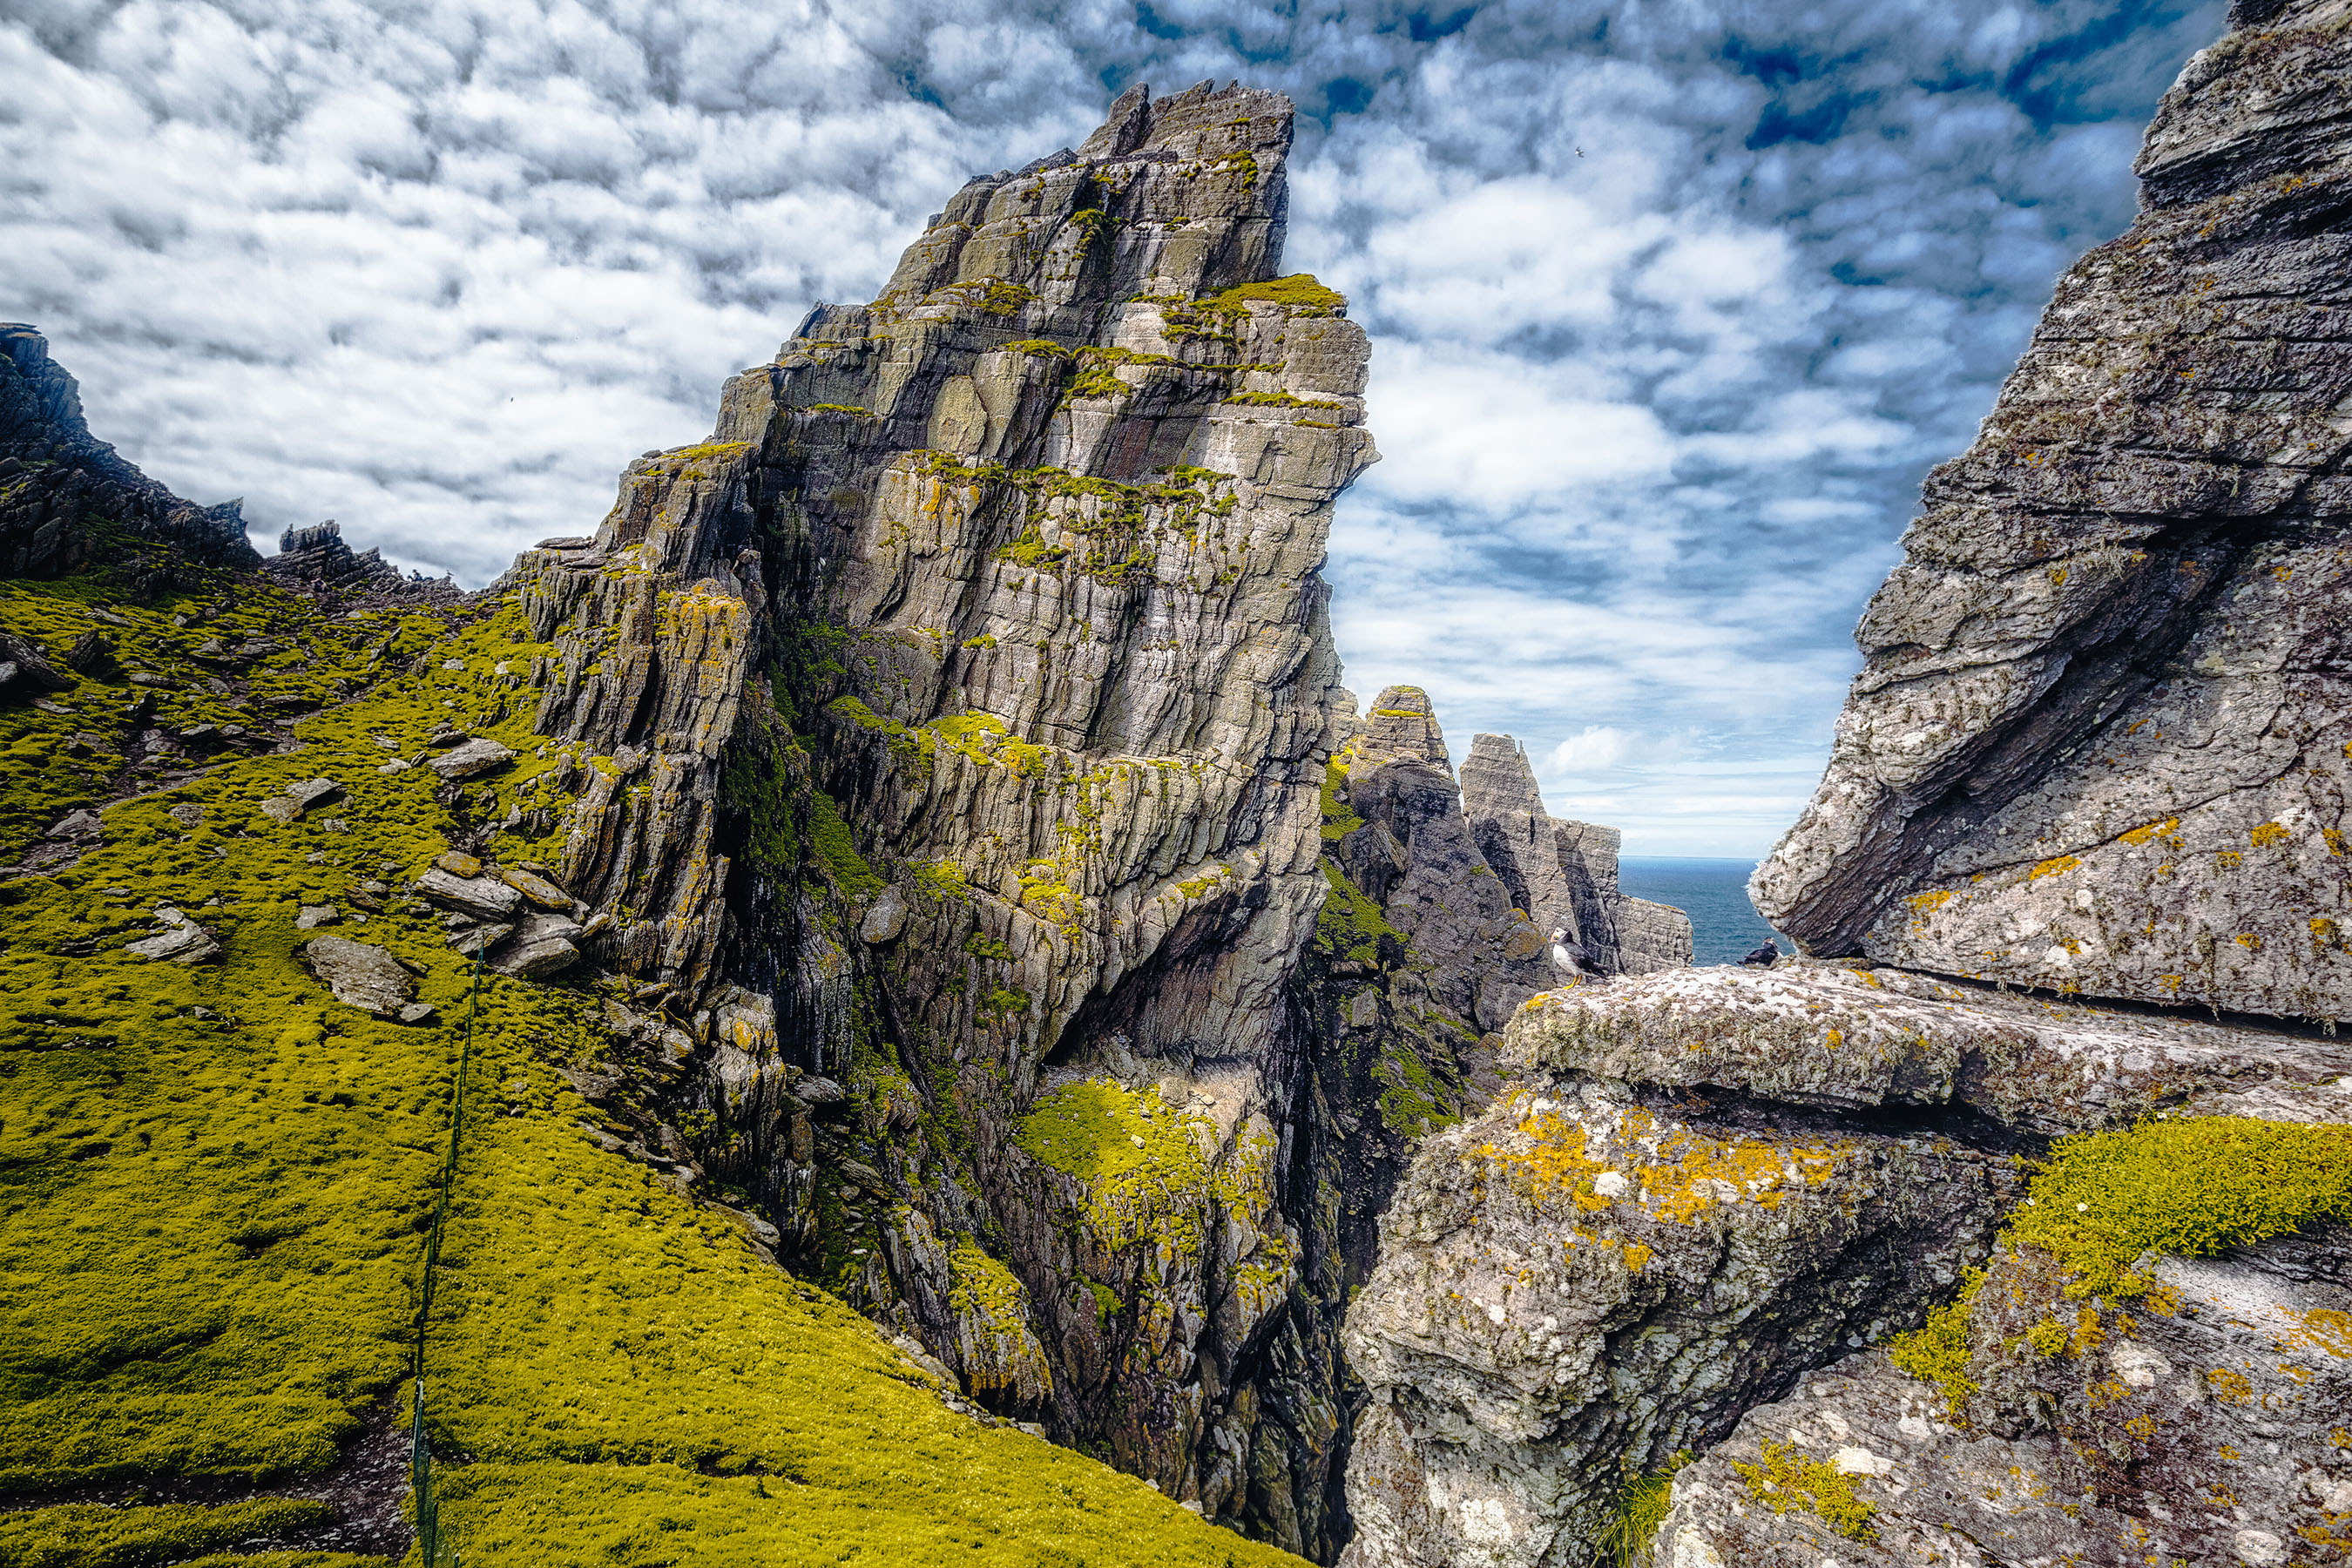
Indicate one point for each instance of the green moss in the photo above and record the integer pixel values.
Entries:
(982, 945)
(849, 408)
(830, 836)
(710, 450)
(1629, 1538)
(1300, 292)
(984, 640)
(1938, 1352)
(1787, 1482)
(1412, 1102)
(2187, 1188)
(91, 1535)
(1031, 550)
(1043, 346)
(996, 1305)
(1138, 1157)
(1340, 818)
(1350, 925)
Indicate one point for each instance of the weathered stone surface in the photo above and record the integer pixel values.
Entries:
(537, 888)
(282, 809)
(308, 793)
(182, 940)
(485, 897)
(66, 496)
(886, 919)
(359, 974)
(474, 757)
(1808, 1032)
(539, 959)
(2209, 1434)
(309, 917)
(1579, 1283)
(2098, 742)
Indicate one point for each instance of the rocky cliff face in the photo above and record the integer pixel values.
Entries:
(2098, 742)
(1925, 1272)
(66, 500)
(952, 749)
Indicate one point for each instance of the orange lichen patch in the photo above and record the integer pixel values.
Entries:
(2141, 1427)
(2087, 1333)
(2167, 830)
(2323, 930)
(2053, 866)
(2249, 942)
(1677, 1177)
(2169, 981)
(1637, 1257)
(2335, 838)
(1927, 903)
(2231, 1386)
(2267, 833)
(1835, 1038)
(1554, 1164)
(2330, 1330)
(2227, 859)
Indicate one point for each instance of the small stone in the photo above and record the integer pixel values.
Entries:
(311, 792)
(541, 959)
(457, 863)
(819, 1091)
(78, 825)
(886, 919)
(313, 916)
(359, 974)
(394, 766)
(537, 888)
(485, 896)
(385, 742)
(453, 664)
(144, 677)
(480, 938)
(416, 1013)
(473, 757)
(282, 809)
(183, 940)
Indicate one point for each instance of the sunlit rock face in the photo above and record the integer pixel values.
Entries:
(2099, 746)
(2099, 740)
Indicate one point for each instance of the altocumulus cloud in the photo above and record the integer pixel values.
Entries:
(1673, 304)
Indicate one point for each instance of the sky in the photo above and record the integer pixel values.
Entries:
(1672, 305)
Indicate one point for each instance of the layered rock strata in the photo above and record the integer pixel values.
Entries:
(68, 501)
(2099, 741)
(2094, 749)
(1703, 1185)
(948, 747)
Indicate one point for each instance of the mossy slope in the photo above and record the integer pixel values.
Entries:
(213, 1181)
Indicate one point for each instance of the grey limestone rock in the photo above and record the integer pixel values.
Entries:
(485, 897)
(182, 940)
(2208, 1433)
(360, 974)
(464, 761)
(2099, 740)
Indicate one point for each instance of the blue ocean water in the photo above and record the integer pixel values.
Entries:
(1725, 926)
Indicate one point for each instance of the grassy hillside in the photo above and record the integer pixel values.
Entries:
(215, 1180)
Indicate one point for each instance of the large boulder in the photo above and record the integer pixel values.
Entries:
(359, 974)
(2099, 741)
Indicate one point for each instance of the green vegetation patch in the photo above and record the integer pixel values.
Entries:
(1939, 1351)
(215, 1181)
(829, 834)
(1350, 924)
(1643, 1500)
(1300, 292)
(92, 1535)
(1140, 1158)
(1340, 818)
(2187, 1188)
(1787, 1482)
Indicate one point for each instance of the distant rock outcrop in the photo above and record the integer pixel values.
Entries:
(2102, 736)
(68, 501)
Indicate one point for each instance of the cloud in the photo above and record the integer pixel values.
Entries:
(1672, 306)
